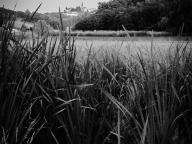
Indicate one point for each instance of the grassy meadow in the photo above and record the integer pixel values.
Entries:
(49, 96)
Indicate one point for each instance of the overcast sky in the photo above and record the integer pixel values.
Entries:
(48, 5)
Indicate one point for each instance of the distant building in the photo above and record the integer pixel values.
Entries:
(72, 14)
(76, 11)
(83, 9)
(69, 12)
(92, 10)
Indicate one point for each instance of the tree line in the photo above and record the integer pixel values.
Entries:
(159, 15)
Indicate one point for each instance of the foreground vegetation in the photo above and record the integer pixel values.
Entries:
(46, 96)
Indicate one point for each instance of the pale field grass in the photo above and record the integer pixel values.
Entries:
(18, 24)
(127, 47)
(123, 46)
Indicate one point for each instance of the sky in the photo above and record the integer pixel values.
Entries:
(47, 5)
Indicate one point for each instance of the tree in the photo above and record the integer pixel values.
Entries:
(163, 15)
(27, 12)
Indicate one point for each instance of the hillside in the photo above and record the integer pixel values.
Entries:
(50, 18)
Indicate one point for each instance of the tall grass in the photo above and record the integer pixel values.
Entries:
(47, 96)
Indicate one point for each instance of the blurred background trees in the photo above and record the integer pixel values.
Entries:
(160, 15)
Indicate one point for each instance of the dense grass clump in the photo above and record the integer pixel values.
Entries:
(47, 96)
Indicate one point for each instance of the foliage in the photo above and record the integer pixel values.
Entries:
(161, 15)
(27, 12)
(21, 14)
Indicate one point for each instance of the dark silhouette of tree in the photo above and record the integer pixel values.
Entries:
(160, 15)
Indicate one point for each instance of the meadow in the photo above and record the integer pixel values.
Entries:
(123, 46)
(126, 45)
(47, 95)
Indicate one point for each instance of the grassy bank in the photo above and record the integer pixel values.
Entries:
(52, 98)
(107, 33)
(113, 33)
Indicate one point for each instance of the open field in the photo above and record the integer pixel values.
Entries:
(116, 95)
(122, 43)
(124, 46)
